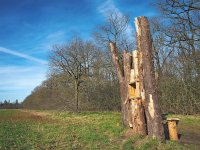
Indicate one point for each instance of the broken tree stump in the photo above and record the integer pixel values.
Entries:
(139, 100)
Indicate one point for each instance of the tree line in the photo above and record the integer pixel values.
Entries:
(6, 104)
(82, 77)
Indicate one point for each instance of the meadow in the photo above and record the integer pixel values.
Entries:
(46, 130)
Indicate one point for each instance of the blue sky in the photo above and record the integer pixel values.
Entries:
(29, 28)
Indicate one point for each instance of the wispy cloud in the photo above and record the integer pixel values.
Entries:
(18, 81)
(15, 69)
(51, 39)
(22, 82)
(46, 42)
(109, 6)
(22, 55)
(21, 76)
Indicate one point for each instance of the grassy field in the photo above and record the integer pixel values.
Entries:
(26, 130)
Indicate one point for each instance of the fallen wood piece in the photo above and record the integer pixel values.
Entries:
(172, 127)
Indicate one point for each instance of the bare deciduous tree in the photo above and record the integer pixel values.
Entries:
(177, 47)
(115, 32)
(68, 59)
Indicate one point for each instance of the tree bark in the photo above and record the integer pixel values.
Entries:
(127, 60)
(125, 109)
(76, 95)
(148, 87)
(123, 85)
(132, 109)
(138, 117)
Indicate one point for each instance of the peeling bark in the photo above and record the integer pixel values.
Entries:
(146, 71)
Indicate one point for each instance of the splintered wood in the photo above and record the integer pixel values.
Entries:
(134, 85)
(136, 72)
(137, 110)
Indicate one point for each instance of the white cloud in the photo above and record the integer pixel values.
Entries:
(16, 82)
(109, 6)
(55, 36)
(48, 41)
(13, 69)
(15, 77)
(22, 55)
(19, 81)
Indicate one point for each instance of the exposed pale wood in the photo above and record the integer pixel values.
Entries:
(138, 120)
(133, 108)
(138, 116)
(136, 72)
(132, 76)
(135, 61)
(132, 92)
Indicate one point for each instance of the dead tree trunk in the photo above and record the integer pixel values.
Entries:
(122, 84)
(148, 87)
(131, 105)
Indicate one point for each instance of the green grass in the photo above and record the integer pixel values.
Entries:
(44, 130)
(25, 130)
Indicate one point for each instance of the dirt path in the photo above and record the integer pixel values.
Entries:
(190, 138)
(38, 116)
(35, 113)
